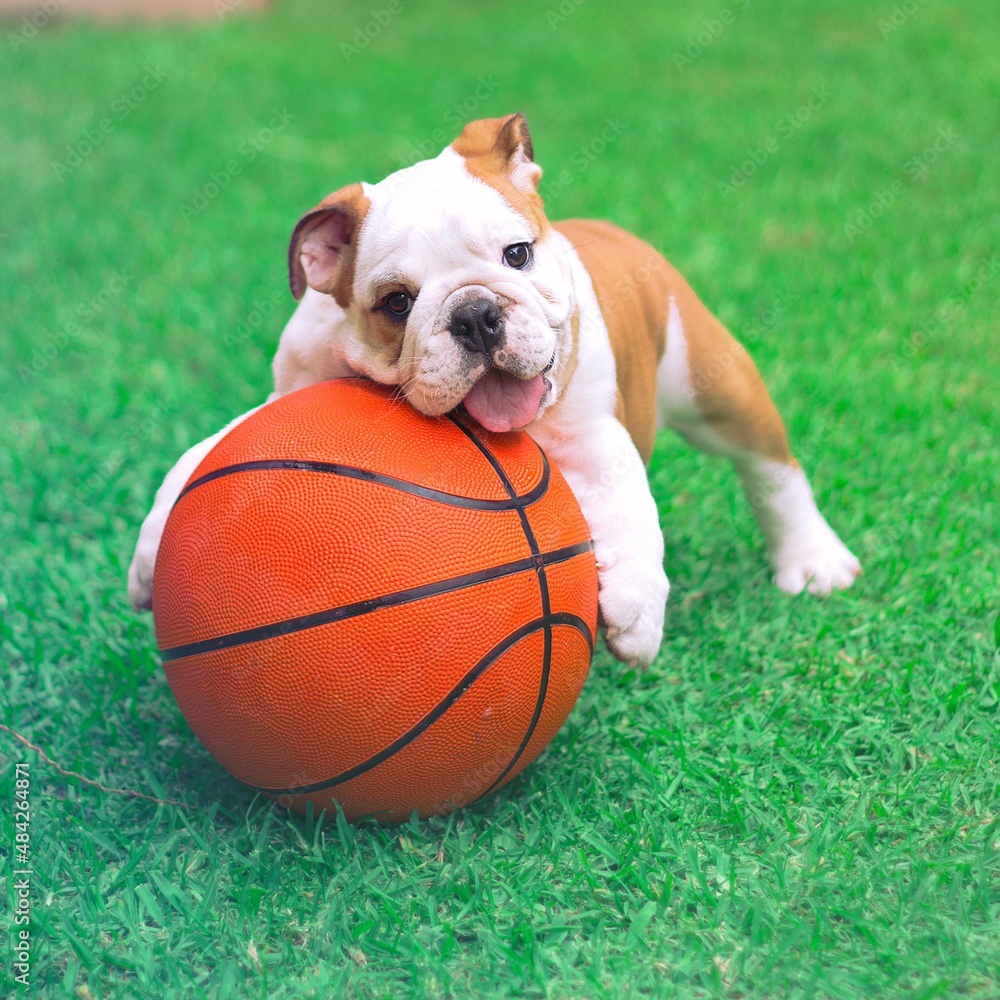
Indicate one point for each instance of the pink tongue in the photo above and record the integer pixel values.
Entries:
(501, 402)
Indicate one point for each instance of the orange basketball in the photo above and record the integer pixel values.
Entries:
(355, 602)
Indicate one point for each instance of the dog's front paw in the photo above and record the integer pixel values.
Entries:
(817, 561)
(632, 605)
(140, 575)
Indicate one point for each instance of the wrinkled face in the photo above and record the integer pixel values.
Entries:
(451, 283)
(457, 291)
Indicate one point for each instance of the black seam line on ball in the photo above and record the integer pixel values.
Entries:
(352, 472)
(543, 588)
(328, 615)
(543, 687)
(573, 621)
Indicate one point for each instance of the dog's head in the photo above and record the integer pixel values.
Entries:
(452, 280)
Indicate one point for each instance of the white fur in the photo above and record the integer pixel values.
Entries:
(607, 475)
(443, 231)
(675, 396)
(804, 550)
(525, 173)
(313, 346)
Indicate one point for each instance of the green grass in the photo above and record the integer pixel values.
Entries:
(800, 797)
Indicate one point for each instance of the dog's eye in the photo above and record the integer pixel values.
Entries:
(399, 304)
(517, 255)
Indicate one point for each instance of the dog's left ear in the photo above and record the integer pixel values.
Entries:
(502, 145)
(324, 242)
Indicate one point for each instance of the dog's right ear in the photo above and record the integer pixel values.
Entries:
(323, 246)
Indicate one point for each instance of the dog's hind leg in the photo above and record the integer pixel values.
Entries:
(710, 392)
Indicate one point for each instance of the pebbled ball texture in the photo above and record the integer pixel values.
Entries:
(355, 602)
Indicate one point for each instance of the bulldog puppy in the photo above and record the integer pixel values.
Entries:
(447, 280)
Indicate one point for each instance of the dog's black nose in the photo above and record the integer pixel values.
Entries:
(478, 326)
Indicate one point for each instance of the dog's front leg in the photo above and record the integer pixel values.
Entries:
(608, 478)
(140, 573)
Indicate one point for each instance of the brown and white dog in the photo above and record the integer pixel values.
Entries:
(447, 280)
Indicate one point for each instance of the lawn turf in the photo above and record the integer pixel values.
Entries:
(800, 797)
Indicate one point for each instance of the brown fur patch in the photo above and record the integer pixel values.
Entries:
(489, 147)
(633, 291)
(634, 284)
(728, 390)
(566, 367)
(352, 204)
